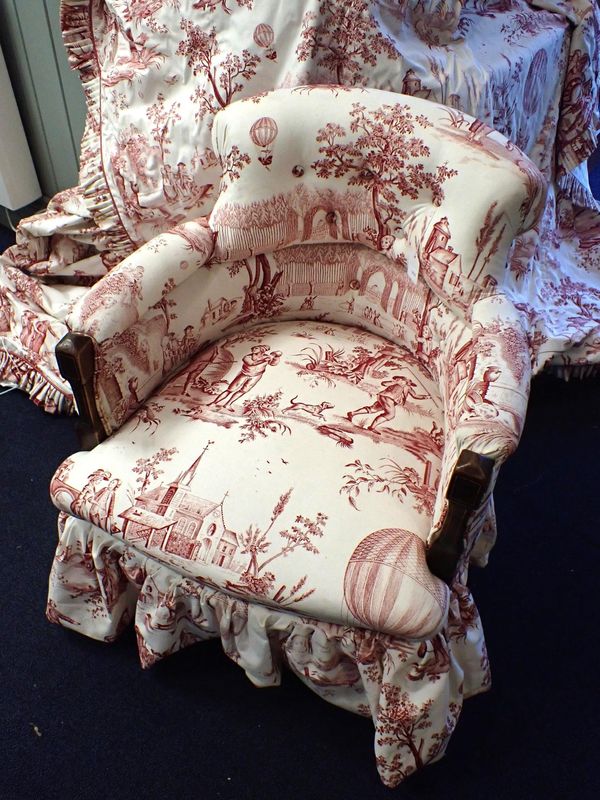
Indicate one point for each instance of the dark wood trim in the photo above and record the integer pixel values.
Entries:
(76, 357)
(466, 490)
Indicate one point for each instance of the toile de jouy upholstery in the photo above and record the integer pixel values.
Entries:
(288, 386)
(155, 74)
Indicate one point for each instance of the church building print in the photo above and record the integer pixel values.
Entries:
(442, 264)
(172, 519)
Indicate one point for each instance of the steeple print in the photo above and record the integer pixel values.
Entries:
(173, 519)
(188, 475)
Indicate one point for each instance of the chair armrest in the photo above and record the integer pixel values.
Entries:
(130, 308)
(76, 357)
(484, 370)
(490, 403)
(140, 282)
(469, 485)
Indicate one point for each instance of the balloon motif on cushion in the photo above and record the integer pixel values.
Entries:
(388, 586)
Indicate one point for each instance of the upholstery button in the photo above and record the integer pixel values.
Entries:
(330, 216)
(298, 171)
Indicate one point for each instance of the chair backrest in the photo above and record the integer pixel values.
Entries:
(326, 193)
(439, 192)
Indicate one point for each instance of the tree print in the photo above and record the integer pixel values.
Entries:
(382, 159)
(362, 363)
(537, 339)
(108, 365)
(260, 296)
(233, 163)
(257, 581)
(259, 417)
(147, 468)
(485, 237)
(166, 303)
(370, 361)
(439, 740)
(343, 38)
(163, 119)
(201, 49)
(399, 725)
(391, 478)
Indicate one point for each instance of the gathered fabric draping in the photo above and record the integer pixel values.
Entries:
(154, 75)
(412, 690)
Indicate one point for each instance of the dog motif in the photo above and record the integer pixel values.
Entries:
(315, 410)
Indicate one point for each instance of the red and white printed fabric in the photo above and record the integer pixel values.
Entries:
(412, 690)
(315, 336)
(155, 73)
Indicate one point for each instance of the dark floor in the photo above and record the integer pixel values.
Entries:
(594, 171)
(7, 237)
(79, 719)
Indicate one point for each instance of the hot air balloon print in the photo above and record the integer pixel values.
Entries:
(388, 586)
(263, 133)
(264, 37)
(536, 79)
(532, 99)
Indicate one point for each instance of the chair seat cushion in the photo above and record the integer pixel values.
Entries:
(294, 464)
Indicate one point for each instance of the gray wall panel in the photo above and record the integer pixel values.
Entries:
(48, 94)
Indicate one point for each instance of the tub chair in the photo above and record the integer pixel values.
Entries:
(297, 409)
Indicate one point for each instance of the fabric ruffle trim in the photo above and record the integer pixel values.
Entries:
(14, 371)
(577, 192)
(98, 585)
(577, 371)
(78, 38)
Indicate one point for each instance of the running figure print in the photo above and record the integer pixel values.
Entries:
(395, 392)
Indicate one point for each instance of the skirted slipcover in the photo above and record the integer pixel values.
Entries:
(287, 388)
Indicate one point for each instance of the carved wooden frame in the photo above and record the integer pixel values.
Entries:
(76, 357)
(468, 486)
